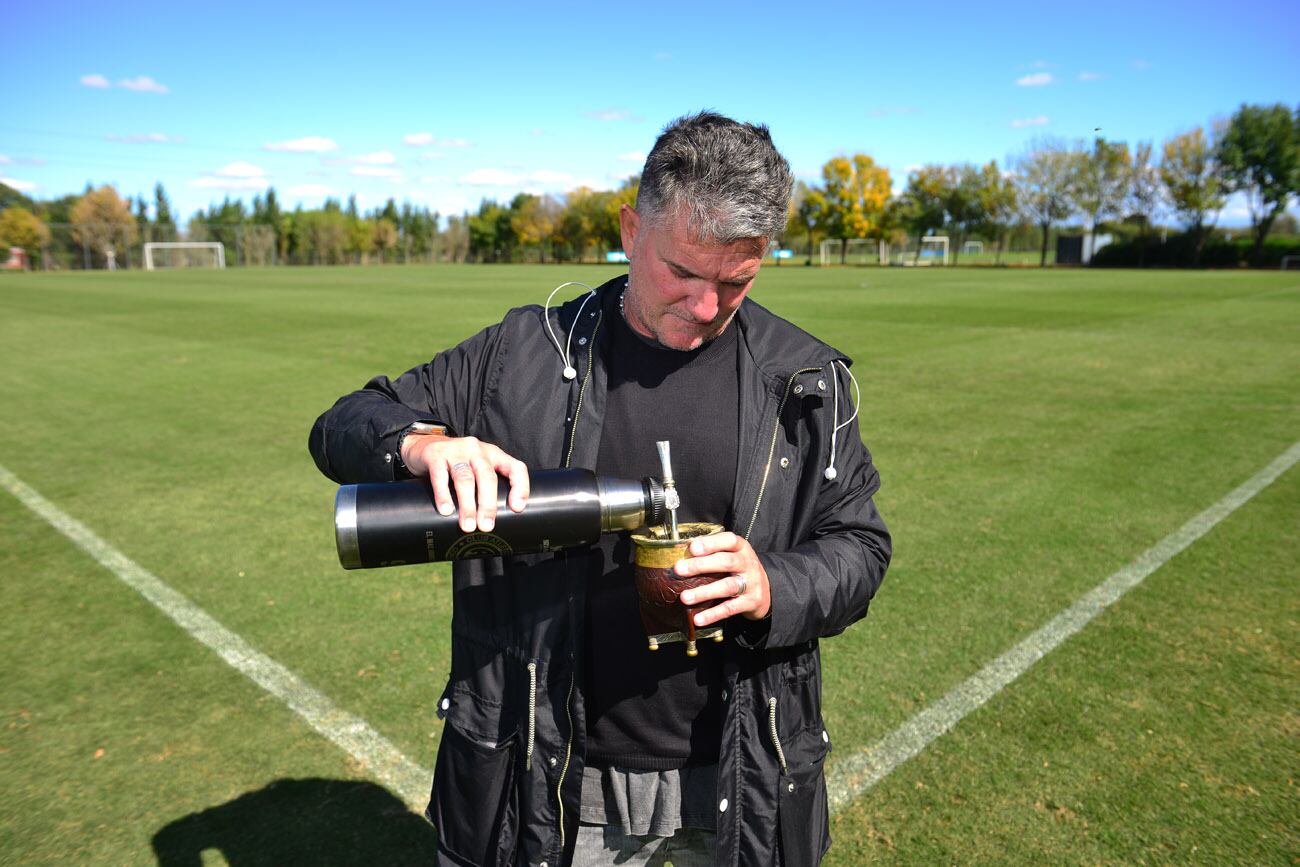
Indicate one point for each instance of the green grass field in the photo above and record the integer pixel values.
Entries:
(1035, 430)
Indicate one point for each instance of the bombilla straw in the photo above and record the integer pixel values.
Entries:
(671, 498)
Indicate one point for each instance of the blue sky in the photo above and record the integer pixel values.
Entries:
(446, 104)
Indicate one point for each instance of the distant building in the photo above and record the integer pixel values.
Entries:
(18, 260)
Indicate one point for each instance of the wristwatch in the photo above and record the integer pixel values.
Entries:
(418, 427)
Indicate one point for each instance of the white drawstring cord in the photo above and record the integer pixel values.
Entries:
(831, 472)
(570, 372)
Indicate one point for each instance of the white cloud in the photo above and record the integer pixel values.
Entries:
(378, 158)
(312, 144)
(375, 172)
(1090, 76)
(610, 114)
(431, 155)
(95, 80)
(309, 190)
(1035, 79)
(538, 131)
(4, 160)
(539, 180)
(230, 184)
(1020, 123)
(632, 157)
(240, 169)
(145, 138)
(1141, 64)
(20, 186)
(143, 84)
(490, 178)
(426, 139)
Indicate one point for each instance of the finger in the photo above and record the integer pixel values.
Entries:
(438, 477)
(486, 477)
(724, 588)
(723, 562)
(517, 473)
(716, 542)
(462, 477)
(733, 606)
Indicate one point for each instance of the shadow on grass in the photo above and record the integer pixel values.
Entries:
(313, 821)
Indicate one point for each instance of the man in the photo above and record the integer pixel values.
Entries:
(565, 739)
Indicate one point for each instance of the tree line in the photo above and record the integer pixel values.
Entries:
(1103, 185)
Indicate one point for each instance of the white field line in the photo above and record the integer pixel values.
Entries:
(854, 775)
(377, 756)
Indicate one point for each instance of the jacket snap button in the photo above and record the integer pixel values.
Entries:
(826, 737)
(582, 341)
(821, 383)
(785, 462)
(543, 864)
(446, 703)
(798, 389)
(552, 761)
(724, 695)
(722, 808)
(388, 457)
(790, 788)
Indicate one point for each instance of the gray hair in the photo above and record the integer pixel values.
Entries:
(727, 176)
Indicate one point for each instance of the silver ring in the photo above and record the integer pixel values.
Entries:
(460, 466)
(744, 585)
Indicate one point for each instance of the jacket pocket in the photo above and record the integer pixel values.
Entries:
(475, 805)
(801, 803)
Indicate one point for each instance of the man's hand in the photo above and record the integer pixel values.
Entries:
(730, 555)
(472, 466)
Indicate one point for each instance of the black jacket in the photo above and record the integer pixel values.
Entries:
(507, 782)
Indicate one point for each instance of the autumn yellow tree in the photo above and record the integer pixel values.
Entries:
(19, 227)
(102, 222)
(853, 198)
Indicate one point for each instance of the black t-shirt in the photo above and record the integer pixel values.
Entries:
(659, 710)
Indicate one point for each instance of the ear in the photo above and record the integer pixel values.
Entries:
(629, 224)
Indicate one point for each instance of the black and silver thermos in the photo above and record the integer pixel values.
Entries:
(395, 523)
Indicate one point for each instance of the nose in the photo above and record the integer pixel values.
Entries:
(704, 305)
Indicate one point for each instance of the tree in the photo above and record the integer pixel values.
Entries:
(102, 222)
(997, 198)
(19, 227)
(1101, 182)
(533, 220)
(1192, 180)
(1045, 175)
(385, 236)
(854, 194)
(1143, 194)
(163, 223)
(805, 205)
(1259, 152)
(360, 238)
(963, 203)
(923, 202)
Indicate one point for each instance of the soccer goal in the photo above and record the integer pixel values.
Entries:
(934, 249)
(857, 251)
(972, 248)
(184, 254)
(1290, 262)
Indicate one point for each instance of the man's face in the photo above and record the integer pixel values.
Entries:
(680, 291)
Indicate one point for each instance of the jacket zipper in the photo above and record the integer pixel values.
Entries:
(532, 715)
(771, 449)
(776, 742)
(568, 700)
(582, 392)
(568, 753)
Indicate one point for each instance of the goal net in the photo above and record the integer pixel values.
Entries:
(933, 250)
(856, 251)
(184, 254)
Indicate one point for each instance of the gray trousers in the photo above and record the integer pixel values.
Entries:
(602, 845)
